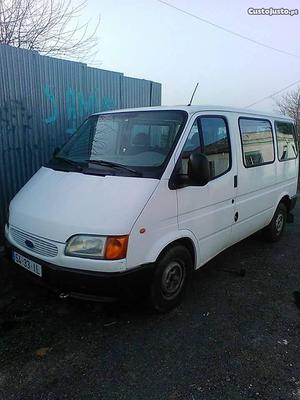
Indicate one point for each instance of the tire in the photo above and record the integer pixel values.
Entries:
(170, 279)
(274, 231)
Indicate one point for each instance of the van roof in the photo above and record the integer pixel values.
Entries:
(196, 108)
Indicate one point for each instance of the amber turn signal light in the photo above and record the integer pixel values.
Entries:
(116, 247)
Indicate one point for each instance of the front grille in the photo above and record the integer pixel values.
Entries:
(39, 246)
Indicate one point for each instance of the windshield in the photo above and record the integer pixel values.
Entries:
(142, 141)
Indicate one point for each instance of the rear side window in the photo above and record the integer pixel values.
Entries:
(209, 135)
(257, 141)
(286, 141)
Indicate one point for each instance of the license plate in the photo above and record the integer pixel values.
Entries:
(27, 264)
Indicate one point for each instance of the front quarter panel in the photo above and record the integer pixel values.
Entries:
(159, 220)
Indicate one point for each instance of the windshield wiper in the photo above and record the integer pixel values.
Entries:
(70, 162)
(114, 165)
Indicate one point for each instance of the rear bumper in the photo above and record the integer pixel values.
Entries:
(105, 286)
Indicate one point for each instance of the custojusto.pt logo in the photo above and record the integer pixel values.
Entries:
(273, 11)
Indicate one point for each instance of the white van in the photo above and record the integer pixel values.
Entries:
(138, 199)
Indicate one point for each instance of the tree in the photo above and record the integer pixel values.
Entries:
(289, 104)
(51, 27)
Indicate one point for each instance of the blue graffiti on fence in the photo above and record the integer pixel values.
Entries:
(87, 105)
(78, 105)
(50, 96)
(71, 110)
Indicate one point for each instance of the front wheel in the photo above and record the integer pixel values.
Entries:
(170, 279)
(275, 229)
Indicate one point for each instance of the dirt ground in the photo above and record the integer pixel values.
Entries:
(233, 337)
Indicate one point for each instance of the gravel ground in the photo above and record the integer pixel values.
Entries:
(233, 338)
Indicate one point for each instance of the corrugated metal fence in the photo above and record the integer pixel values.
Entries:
(43, 100)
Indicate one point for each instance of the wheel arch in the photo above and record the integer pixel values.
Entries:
(286, 201)
(185, 241)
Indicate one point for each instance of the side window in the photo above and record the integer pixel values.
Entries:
(192, 143)
(286, 143)
(193, 140)
(257, 141)
(210, 136)
(216, 145)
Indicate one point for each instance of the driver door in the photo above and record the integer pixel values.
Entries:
(208, 211)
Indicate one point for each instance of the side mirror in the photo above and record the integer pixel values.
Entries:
(198, 169)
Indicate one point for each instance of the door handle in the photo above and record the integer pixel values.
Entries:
(235, 181)
(236, 216)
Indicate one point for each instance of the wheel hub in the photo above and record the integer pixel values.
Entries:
(172, 279)
(279, 222)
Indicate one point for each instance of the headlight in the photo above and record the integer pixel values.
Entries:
(86, 246)
(98, 247)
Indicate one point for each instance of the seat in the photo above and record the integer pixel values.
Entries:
(140, 143)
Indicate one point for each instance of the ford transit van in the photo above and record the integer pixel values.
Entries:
(138, 199)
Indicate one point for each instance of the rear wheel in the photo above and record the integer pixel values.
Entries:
(275, 229)
(170, 279)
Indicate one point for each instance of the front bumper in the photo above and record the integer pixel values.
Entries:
(61, 259)
(103, 286)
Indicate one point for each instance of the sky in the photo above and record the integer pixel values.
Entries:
(149, 40)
